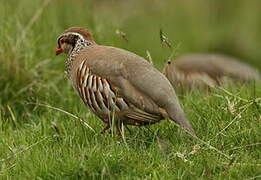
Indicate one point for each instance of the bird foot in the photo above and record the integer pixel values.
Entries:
(119, 129)
(107, 128)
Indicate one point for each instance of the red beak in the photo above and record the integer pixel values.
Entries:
(58, 51)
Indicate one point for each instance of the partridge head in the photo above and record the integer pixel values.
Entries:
(118, 85)
(67, 41)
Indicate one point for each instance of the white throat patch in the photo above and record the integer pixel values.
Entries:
(80, 44)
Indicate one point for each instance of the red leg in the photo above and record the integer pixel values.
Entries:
(119, 127)
(107, 127)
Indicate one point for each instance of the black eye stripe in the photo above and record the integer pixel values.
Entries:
(71, 39)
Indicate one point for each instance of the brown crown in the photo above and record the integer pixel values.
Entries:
(84, 32)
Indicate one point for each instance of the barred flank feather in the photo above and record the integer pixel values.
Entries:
(96, 92)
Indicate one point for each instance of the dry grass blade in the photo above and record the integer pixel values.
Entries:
(12, 114)
(255, 177)
(248, 145)
(231, 105)
(241, 164)
(24, 89)
(231, 94)
(164, 40)
(7, 168)
(149, 57)
(212, 147)
(182, 156)
(123, 137)
(235, 118)
(196, 148)
(209, 146)
(23, 150)
(123, 35)
(65, 112)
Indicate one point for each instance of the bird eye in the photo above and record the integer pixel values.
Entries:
(62, 40)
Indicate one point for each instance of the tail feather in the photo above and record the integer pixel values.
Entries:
(238, 70)
(176, 114)
(199, 69)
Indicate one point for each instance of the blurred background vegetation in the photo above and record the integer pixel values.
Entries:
(30, 72)
(29, 30)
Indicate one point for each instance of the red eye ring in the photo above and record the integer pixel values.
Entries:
(62, 40)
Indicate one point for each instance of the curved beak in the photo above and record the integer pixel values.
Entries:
(58, 51)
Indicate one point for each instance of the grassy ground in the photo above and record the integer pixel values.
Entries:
(39, 139)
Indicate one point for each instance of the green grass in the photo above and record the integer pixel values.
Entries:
(40, 142)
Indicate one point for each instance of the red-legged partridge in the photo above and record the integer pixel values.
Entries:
(117, 84)
(204, 70)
